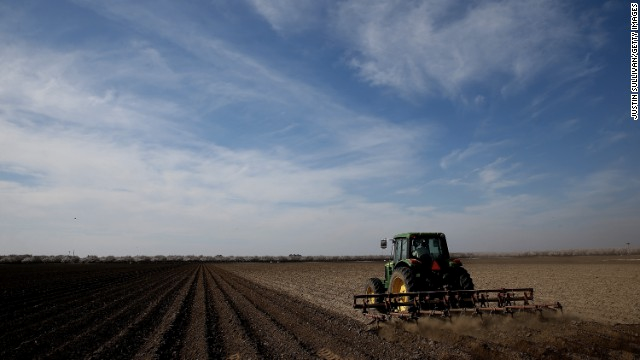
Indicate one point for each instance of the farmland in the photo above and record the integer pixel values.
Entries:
(303, 310)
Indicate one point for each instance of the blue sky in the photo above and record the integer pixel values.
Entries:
(314, 127)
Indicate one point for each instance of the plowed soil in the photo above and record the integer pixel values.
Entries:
(267, 311)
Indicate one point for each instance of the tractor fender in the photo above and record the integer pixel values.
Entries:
(411, 264)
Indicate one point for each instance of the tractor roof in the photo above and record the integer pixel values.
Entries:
(437, 234)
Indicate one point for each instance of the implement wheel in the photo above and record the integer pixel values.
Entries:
(374, 286)
(402, 281)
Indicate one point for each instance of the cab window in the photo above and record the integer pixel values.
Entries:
(401, 249)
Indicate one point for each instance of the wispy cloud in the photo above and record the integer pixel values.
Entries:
(54, 101)
(434, 47)
(107, 135)
(567, 126)
(600, 189)
(476, 148)
(607, 138)
(597, 210)
(496, 174)
(291, 16)
(488, 179)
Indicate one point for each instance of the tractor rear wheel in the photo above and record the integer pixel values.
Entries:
(374, 286)
(402, 281)
(459, 279)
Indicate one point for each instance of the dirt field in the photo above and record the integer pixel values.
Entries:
(603, 289)
(600, 296)
(251, 311)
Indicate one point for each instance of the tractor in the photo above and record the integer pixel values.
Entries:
(422, 278)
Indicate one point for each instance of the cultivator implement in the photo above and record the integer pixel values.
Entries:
(446, 303)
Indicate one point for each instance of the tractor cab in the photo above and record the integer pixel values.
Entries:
(428, 247)
(419, 246)
(424, 252)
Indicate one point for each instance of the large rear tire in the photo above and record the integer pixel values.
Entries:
(402, 281)
(459, 279)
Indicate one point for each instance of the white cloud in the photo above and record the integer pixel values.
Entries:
(474, 149)
(600, 189)
(286, 16)
(70, 89)
(129, 167)
(566, 127)
(499, 174)
(135, 194)
(606, 139)
(443, 47)
(598, 210)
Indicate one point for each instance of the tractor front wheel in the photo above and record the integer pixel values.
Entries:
(374, 286)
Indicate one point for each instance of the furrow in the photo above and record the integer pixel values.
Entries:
(174, 337)
(271, 339)
(100, 324)
(135, 333)
(212, 318)
(231, 338)
(316, 329)
(33, 338)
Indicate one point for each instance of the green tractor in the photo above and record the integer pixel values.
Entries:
(422, 278)
(421, 262)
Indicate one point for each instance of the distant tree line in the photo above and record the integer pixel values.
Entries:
(35, 259)
(72, 259)
(565, 252)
